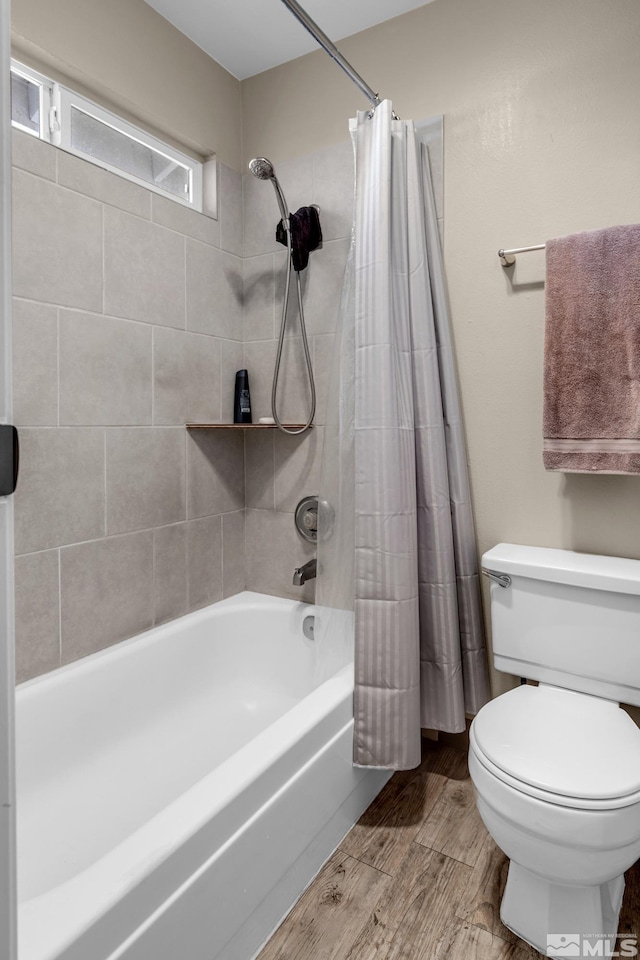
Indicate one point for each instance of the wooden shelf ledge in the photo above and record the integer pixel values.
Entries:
(243, 426)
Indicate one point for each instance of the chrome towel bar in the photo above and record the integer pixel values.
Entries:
(508, 257)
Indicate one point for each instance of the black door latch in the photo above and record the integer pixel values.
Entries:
(9, 459)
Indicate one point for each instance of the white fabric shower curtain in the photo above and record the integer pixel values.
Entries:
(395, 467)
(420, 653)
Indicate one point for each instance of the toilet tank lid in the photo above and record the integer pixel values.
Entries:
(616, 574)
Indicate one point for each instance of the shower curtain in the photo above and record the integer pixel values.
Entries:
(395, 482)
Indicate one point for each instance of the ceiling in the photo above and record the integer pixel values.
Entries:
(249, 36)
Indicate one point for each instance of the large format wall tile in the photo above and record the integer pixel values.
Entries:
(294, 392)
(60, 495)
(57, 244)
(106, 592)
(261, 216)
(177, 217)
(143, 270)
(324, 286)
(214, 291)
(37, 614)
(170, 571)
(297, 467)
(324, 360)
(215, 467)
(274, 550)
(204, 561)
(292, 326)
(33, 155)
(105, 370)
(230, 210)
(85, 177)
(35, 364)
(186, 369)
(334, 189)
(233, 553)
(259, 470)
(259, 360)
(145, 477)
(259, 299)
(231, 360)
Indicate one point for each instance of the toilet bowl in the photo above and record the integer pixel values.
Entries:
(556, 767)
(569, 822)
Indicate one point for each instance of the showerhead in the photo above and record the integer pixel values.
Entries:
(262, 168)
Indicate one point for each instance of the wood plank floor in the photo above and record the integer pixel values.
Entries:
(418, 878)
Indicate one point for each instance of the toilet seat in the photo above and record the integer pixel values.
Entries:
(564, 747)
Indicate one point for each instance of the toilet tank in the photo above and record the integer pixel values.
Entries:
(570, 619)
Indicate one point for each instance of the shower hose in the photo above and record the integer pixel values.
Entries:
(305, 344)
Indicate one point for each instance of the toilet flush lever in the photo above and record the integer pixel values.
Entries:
(502, 579)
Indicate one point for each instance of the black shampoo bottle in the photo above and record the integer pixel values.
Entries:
(242, 400)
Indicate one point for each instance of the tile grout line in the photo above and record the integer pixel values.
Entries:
(186, 480)
(184, 254)
(273, 455)
(220, 349)
(121, 319)
(105, 484)
(222, 555)
(125, 533)
(103, 229)
(58, 361)
(187, 487)
(153, 578)
(59, 552)
(127, 210)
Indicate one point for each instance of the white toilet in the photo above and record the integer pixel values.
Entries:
(556, 767)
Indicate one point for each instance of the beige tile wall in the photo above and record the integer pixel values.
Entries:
(131, 316)
(128, 321)
(280, 470)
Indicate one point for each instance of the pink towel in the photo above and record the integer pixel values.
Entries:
(592, 352)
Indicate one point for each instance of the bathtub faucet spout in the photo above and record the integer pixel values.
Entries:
(302, 574)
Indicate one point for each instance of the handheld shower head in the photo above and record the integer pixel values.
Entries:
(262, 168)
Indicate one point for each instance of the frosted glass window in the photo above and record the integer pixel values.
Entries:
(103, 142)
(65, 119)
(25, 103)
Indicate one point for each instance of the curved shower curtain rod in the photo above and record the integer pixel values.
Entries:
(303, 17)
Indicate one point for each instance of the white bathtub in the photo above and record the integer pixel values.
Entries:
(177, 792)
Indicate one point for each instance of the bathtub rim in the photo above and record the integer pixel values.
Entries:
(147, 637)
